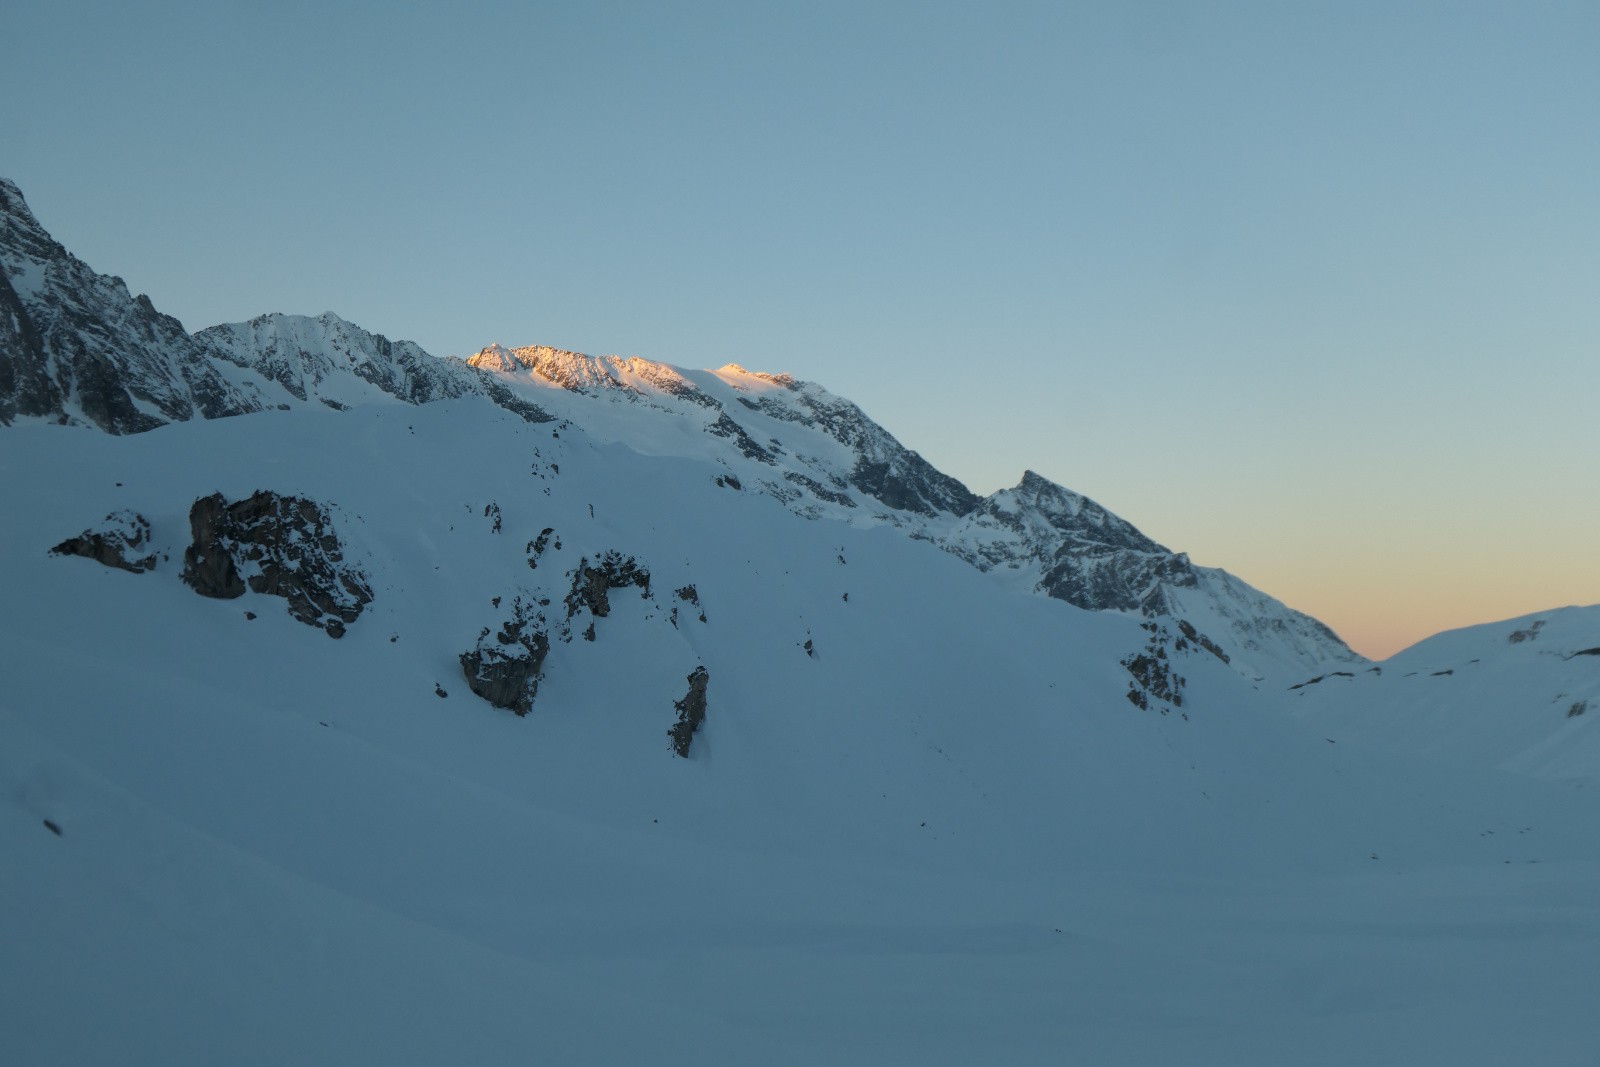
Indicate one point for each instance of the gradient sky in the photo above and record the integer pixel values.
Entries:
(1310, 291)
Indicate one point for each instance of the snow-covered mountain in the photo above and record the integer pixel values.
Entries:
(819, 454)
(1518, 695)
(77, 348)
(335, 363)
(591, 710)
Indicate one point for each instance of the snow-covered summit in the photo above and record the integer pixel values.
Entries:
(336, 363)
(578, 373)
(744, 380)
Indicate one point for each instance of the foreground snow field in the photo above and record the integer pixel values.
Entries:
(944, 835)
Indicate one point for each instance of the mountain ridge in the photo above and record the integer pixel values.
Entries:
(816, 452)
(356, 729)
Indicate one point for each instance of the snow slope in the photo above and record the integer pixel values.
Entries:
(929, 817)
(946, 836)
(1520, 695)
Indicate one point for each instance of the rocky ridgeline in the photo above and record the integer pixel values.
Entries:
(312, 358)
(77, 347)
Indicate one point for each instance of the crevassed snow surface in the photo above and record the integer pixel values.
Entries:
(943, 837)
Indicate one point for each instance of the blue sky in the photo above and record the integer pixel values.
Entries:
(1311, 291)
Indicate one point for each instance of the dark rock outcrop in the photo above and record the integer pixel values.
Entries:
(208, 566)
(1530, 634)
(818, 490)
(1191, 634)
(726, 427)
(122, 541)
(591, 583)
(536, 547)
(1319, 679)
(504, 668)
(276, 545)
(691, 712)
(689, 595)
(1154, 678)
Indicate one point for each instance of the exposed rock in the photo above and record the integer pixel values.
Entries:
(689, 595)
(691, 712)
(281, 546)
(208, 565)
(818, 490)
(1154, 678)
(726, 427)
(536, 547)
(1320, 678)
(590, 584)
(115, 543)
(1530, 634)
(505, 670)
(1189, 632)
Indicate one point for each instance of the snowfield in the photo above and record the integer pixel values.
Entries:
(943, 836)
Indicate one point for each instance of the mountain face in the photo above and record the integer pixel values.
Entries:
(821, 456)
(545, 707)
(79, 349)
